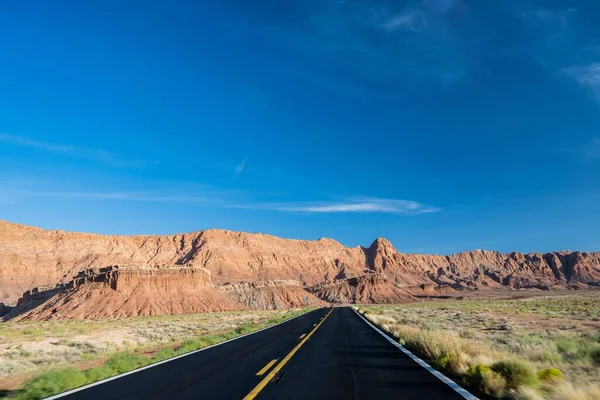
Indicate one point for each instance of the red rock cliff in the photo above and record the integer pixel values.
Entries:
(31, 257)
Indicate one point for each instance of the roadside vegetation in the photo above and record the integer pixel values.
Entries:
(128, 344)
(527, 349)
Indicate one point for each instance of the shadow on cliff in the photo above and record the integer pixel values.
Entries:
(30, 300)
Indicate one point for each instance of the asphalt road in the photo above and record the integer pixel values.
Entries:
(325, 354)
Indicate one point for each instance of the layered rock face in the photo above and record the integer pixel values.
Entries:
(366, 289)
(125, 292)
(32, 257)
(271, 295)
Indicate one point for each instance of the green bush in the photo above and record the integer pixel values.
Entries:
(444, 361)
(568, 348)
(124, 362)
(451, 363)
(550, 375)
(517, 373)
(484, 379)
(595, 355)
(550, 357)
(52, 382)
(242, 330)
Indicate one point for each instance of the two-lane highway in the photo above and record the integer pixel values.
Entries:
(325, 354)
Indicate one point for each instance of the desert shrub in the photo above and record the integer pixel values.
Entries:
(568, 348)
(444, 361)
(581, 349)
(433, 345)
(242, 330)
(453, 363)
(124, 362)
(517, 373)
(549, 357)
(550, 375)
(484, 379)
(595, 356)
(52, 382)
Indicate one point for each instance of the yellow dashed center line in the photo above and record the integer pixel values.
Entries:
(301, 336)
(278, 367)
(266, 367)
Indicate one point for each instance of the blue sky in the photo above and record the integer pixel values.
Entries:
(442, 125)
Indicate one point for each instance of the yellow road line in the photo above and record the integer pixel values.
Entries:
(266, 367)
(278, 367)
(301, 336)
(315, 325)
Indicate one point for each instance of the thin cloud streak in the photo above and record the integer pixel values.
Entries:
(547, 15)
(586, 75)
(218, 199)
(95, 154)
(240, 168)
(357, 205)
(414, 21)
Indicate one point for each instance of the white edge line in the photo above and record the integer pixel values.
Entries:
(457, 388)
(112, 378)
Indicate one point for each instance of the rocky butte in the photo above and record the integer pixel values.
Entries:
(57, 274)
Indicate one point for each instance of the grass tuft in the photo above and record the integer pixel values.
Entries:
(51, 383)
(550, 375)
(482, 378)
(517, 373)
(124, 362)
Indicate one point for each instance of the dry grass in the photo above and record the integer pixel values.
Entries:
(27, 349)
(463, 337)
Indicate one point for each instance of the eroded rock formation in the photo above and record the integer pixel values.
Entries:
(32, 257)
(366, 289)
(125, 292)
(267, 295)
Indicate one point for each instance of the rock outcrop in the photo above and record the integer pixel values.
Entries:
(270, 295)
(32, 257)
(143, 290)
(125, 292)
(4, 309)
(366, 289)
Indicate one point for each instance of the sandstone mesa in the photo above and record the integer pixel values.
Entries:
(80, 275)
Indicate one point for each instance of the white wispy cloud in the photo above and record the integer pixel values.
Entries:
(355, 205)
(216, 198)
(240, 168)
(545, 15)
(89, 153)
(413, 21)
(586, 75)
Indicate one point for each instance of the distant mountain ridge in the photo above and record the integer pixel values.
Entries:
(31, 257)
